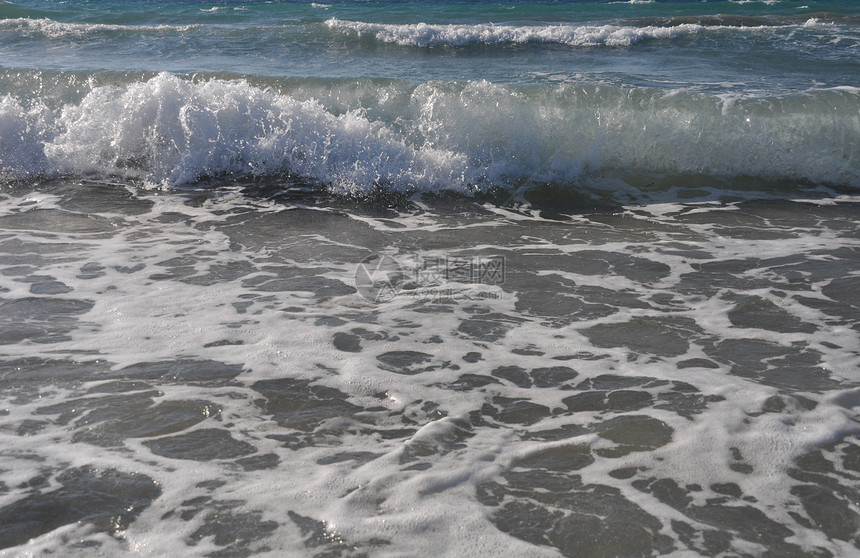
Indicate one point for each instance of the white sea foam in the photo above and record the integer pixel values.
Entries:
(57, 29)
(173, 131)
(423, 34)
(23, 132)
(139, 317)
(170, 131)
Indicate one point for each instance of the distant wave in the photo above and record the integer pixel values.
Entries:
(169, 131)
(56, 29)
(432, 35)
(424, 35)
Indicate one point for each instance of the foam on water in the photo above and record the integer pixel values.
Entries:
(423, 34)
(28, 27)
(227, 308)
(631, 330)
(460, 136)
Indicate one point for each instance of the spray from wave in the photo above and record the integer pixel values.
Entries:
(168, 131)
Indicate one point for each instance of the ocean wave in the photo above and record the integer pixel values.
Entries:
(643, 29)
(425, 35)
(52, 29)
(169, 131)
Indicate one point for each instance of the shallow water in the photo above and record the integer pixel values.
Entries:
(215, 372)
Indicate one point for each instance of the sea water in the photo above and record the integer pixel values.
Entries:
(430, 278)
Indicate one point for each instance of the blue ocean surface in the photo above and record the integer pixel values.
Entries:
(430, 278)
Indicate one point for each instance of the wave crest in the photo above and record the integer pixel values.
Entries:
(52, 29)
(426, 35)
(462, 136)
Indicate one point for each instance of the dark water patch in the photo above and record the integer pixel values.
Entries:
(488, 327)
(119, 387)
(514, 374)
(29, 427)
(709, 278)
(108, 500)
(46, 285)
(26, 376)
(621, 400)
(299, 280)
(830, 489)
(515, 411)
(541, 502)
(203, 373)
(614, 381)
(201, 445)
(556, 201)
(224, 343)
(840, 314)
(472, 357)
(175, 269)
(407, 363)
(746, 225)
(530, 350)
(259, 462)
(468, 382)
(553, 376)
(635, 268)
(18, 271)
(40, 320)
(613, 393)
(697, 363)
(729, 514)
(685, 404)
(830, 512)
(658, 336)
(633, 433)
(239, 533)
(756, 312)
(738, 463)
(57, 221)
(300, 405)
(359, 458)
(684, 250)
(221, 273)
(129, 269)
(88, 197)
(795, 367)
(844, 290)
(559, 458)
(78, 407)
(253, 231)
(595, 262)
(109, 425)
(545, 377)
(347, 342)
(561, 308)
(707, 542)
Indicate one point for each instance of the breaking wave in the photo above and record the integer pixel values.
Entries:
(167, 131)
